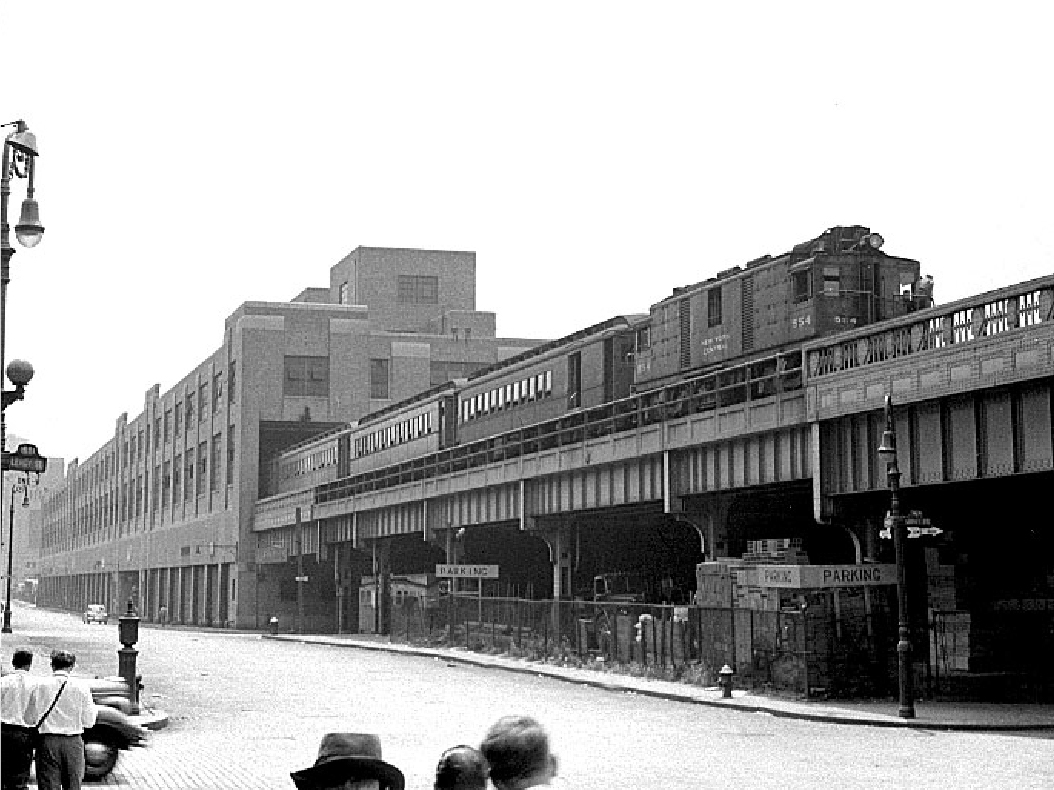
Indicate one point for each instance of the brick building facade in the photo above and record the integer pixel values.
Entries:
(161, 514)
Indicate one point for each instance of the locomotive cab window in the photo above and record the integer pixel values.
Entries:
(801, 286)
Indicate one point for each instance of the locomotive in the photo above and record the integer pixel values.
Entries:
(733, 337)
(838, 281)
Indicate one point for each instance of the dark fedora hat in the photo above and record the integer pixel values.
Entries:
(348, 755)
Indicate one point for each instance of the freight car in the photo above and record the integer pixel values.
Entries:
(838, 281)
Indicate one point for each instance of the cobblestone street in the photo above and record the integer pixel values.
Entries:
(245, 711)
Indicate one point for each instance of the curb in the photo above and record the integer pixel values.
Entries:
(739, 705)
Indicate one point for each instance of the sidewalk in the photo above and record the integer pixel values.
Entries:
(982, 717)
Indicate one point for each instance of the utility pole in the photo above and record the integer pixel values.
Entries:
(300, 578)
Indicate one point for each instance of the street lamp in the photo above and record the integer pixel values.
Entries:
(20, 486)
(18, 160)
(888, 452)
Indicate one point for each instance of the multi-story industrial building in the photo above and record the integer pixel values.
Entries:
(162, 512)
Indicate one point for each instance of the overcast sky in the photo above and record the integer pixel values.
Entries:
(197, 155)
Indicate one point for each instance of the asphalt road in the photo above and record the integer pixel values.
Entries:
(244, 712)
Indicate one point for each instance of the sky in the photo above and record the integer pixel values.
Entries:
(198, 155)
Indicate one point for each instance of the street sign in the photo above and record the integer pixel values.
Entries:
(25, 459)
(917, 524)
(825, 576)
(301, 578)
(918, 532)
(467, 571)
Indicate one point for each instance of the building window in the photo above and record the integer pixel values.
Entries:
(203, 400)
(188, 475)
(713, 307)
(190, 409)
(343, 298)
(203, 465)
(217, 390)
(168, 425)
(307, 376)
(177, 478)
(217, 450)
(231, 368)
(166, 484)
(379, 378)
(230, 455)
(179, 418)
(418, 289)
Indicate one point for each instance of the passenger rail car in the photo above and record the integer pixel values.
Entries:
(590, 367)
(835, 282)
(309, 463)
(397, 433)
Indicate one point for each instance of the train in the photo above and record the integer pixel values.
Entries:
(731, 338)
(838, 281)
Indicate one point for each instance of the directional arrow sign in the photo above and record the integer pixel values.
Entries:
(886, 533)
(301, 578)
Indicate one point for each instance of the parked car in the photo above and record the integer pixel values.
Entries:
(113, 730)
(96, 613)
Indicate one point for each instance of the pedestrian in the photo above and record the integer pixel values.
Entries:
(517, 750)
(349, 761)
(162, 615)
(17, 735)
(63, 709)
(461, 768)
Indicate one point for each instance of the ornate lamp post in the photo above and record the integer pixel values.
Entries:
(888, 452)
(20, 486)
(19, 157)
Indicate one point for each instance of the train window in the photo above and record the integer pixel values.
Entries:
(831, 280)
(515, 393)
(531, 383)
(800, 286)
(548, 383)
(713, 307)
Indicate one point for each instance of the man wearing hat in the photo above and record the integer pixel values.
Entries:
(349, 761)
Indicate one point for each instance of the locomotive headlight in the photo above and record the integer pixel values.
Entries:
(875, 240)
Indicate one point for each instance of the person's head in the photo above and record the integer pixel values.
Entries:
(461, 768)
(22, 659)
(517, 750)
(349, 761)
(62, 660)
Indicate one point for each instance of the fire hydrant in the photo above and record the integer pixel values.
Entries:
(274, 624)
(725, 681)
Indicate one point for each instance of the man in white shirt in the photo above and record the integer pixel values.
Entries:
(65, 704)
(16, 734)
